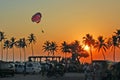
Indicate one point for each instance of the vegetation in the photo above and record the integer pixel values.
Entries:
(2, 38)
(88, 40)
(50, 47)
(12, 45)
(101, 45)
(32, 40)
(74, 48)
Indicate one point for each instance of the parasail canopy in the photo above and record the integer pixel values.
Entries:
(36, 17)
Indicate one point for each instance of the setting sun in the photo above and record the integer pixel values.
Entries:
(86, 47)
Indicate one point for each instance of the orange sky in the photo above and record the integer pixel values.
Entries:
(63, 20)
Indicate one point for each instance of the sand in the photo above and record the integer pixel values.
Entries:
(67, 76)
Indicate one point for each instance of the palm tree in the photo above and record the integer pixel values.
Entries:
(117, 33)
(6, 45)
(46, 47)
(12, 44)
(101, 45)
(24, 45)
(2, 38)
(76, 50)
(32, 39)
(19, 45)
(53, 47)
(114, 45)
(65, 48)
(88, 40)
(50, 47)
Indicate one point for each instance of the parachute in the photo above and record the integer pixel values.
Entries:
(36, 17)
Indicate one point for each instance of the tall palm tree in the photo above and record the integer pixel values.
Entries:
(101, 45)
(32, 40)
(65, 48)
(24, 45)
(53, 47)
(88, 40)
(114, 45)
(46, 47)
(2, 38)
(6, 46)
(117, 34)
(12, 44)
(19, 45)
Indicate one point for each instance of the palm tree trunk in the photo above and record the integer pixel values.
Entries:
(7, 55)
(91, 54)
(1, 51)
(103, 55)
(114, 54)
(24, 55)
(65, 55)
(20, 55)
(48, 53)
(13, 53)
(32, 49)
(65, 58)
(66, 64)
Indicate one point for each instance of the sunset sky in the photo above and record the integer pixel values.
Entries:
(62, 20)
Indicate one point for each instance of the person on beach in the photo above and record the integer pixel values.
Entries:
(25, 69)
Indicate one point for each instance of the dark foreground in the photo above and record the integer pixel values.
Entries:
(67, 76)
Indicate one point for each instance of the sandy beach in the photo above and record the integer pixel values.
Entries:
(67, 76)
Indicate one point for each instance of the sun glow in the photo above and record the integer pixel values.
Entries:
(86, 47)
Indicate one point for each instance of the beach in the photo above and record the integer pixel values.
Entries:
(67, 76)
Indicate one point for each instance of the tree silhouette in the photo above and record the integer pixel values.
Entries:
(53, 47)
(46, 47)
(2, 38)
(88, 40)
(76, 50)
(114, 45)
(117, 34)
(24, 45)
(50, 47)
(65, 48)
(32, 40)
(12, 44)
(21, 44)
(101, 45)
(6, 46)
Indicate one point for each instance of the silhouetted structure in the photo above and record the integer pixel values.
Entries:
(39, 58)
